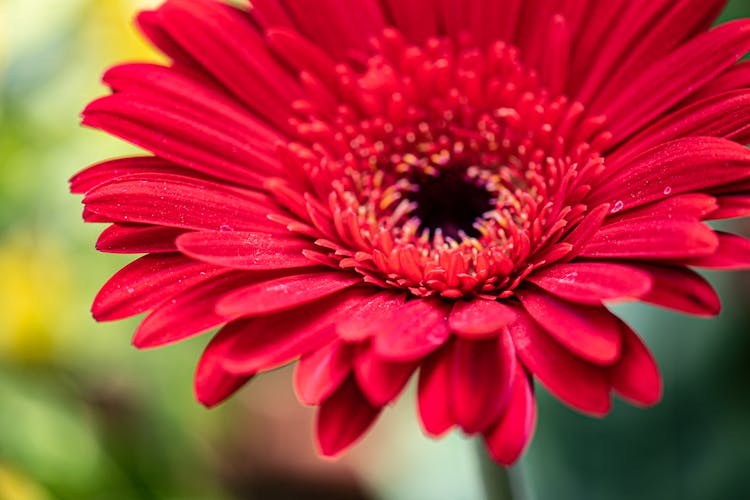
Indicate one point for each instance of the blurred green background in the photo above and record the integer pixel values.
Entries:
(85, 416)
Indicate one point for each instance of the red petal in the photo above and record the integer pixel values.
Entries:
(718, 116)
(507, 440)
(733, 253)
(480, 381)
(681, 166)
(731, 206)
(320, 373)
(413, 331)
(147, 282)
(268, 342)
(587, 331)
(242, 250)
(343, 418)
(138, 238)
(477, 319)
(188, 313)
(105, 171)
(653, 238)
(381, 381)
(675, 77)
(363, 323)
(184, 202)
(433, 391)
(212, 383)
(581, 385)
(635, 376)
(284, 293)
(681, 289)
(593, 282)
(586, 229)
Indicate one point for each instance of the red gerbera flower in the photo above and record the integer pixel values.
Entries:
(380, 187)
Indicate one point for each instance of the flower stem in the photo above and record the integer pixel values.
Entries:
(500, 483)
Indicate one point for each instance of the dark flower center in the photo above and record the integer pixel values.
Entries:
(451, 203)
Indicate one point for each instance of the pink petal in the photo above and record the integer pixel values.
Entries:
(681, 289)
(733, 254)
(147, 282)
(433, 392)
(244, 250)
(413, 331)
(507, 440)
(138, 238)
(284, 293)
(580, 384)
(188, 313)
(480, 381)
(319, 373)
(635, 376)
(363, 323)
(681, 166)
(590, 332)
(653, 238)
(476, 319)
(381, 381)
(212, 383)
(593, 282)
(184, 202)
(268, 342)
(343, 418)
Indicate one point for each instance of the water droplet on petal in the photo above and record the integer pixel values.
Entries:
(668, 190)
(617, 206)
(130, 290)
(226, 227)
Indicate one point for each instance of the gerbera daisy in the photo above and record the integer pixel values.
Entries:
(378, 188)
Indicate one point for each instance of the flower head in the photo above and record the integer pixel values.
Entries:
(378, 188)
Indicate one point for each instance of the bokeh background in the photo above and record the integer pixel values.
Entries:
(85, 416)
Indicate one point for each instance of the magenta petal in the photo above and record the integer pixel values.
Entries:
(244, 250)
(380, 381)
(147, 282)
(480, 381)
(413, 331)
(105, 171)
(681, 289)
(733, 253)
(343, 418)
(582, 385)
(267, 342)
(512, 433)
(433, 391)
(593, 282)
(318, 374)
(635, 376)
(212, 383)
(590, 332)
(477, 319)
